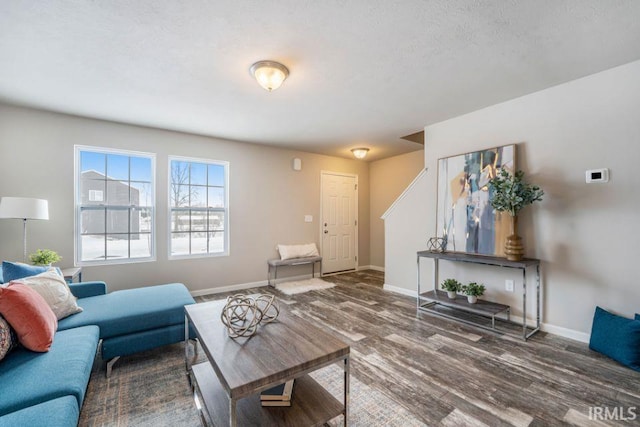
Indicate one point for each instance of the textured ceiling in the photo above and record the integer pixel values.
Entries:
(363, 72)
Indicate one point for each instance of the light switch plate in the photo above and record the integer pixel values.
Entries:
(308, 218)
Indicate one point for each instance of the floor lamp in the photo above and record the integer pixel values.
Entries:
(24, 208)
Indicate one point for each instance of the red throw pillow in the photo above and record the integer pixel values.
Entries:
(29, 315)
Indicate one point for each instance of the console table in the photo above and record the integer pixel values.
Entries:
(429, 300)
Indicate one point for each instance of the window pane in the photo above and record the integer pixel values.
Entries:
(92, 248)
(118, 167)
(198, 196)
(216, 221)
(92, 162)
(179, 243)
(179, 172)
(141, 194)
(117, 246)
(180, 220)
(198, 243)
(141, 169)
(117, 193)
(198, 221)
(198, 174)
(118, 221)
(141, 245)
(216, 175)
(144, 218)
(216, 242)
(216, 197)
(179, 195)
(92, 221)
(92, 189)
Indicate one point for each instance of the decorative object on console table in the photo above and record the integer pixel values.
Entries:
(510, 194)
(473, 291)
(452, 286)
(44, 257)
(437, 244)
(24, 208)
(464, 217)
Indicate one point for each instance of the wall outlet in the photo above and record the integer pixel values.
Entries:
(508, 285)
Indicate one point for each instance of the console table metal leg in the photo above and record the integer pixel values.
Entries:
(346, 390)
(186, 344)
(538, 296)
(524, 303)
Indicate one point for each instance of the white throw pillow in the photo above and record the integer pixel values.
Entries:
(55, 291)
(297, 251)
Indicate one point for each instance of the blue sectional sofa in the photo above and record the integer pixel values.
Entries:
(48, 389)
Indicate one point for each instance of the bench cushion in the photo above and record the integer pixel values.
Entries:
(132, 310)
(28, 378)
(294, 261)
(60, 412)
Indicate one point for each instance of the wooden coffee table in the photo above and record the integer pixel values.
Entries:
(237, 370)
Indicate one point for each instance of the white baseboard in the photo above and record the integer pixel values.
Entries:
(546, 327)
(398, 290)
(238, 287)
(371, 267)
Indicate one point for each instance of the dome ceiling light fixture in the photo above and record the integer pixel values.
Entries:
(269, 74)
(360, 153)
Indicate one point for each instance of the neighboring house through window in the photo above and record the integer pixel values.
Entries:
(198, 207)
(115, 206)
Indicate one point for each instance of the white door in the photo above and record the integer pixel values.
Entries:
(338, 224)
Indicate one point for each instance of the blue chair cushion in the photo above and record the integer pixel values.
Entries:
(15, 270)
(616, 337)
(60, 412)
(132, 310)
(28, 378)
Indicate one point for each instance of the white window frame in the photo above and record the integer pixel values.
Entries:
(225, 210)
(77, 253)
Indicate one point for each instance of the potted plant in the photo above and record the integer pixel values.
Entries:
(510, 194)
(473, 291)
(452, 286)
(44, 257)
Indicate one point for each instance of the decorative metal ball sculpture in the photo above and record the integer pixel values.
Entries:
(437, 244)
(242, 314)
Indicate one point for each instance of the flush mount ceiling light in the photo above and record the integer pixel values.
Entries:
(269, 74)
(360, 153)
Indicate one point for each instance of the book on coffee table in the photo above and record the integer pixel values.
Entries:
(279, 393)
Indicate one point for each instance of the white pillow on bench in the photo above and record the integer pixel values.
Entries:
(297, 251)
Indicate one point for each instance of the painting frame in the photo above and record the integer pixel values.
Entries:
(464, 216)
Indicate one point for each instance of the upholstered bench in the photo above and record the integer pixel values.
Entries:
(275, 263)
(131, 320)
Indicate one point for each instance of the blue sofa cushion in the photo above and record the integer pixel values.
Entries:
(616, 337)
(60, 412)
(15, 270)
(28, 378)
(132, 310)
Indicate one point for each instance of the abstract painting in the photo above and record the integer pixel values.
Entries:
(465, 217)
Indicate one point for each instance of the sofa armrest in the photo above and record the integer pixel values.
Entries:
(88, 289)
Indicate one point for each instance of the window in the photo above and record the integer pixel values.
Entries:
(198, 205)
(115, 207)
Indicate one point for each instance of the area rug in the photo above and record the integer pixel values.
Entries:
(300, 286)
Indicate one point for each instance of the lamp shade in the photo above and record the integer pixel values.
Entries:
(24, 208)
(269, 74)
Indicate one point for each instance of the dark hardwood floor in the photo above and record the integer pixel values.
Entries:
(445, 373)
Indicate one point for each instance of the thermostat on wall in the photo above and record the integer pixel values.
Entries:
(597, 175)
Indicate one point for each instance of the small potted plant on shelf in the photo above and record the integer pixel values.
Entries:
(452, 286)
(473, 291)
(44, 257)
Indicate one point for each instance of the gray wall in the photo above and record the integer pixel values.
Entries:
(585, 234)
(268, 200)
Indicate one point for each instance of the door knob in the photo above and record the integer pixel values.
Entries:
(325, 224)
(326, 231)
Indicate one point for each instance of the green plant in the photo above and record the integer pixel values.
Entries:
(511, 193)
(473, 289)
(451, 285)
(44, 257)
